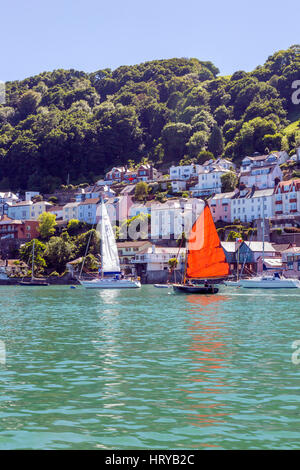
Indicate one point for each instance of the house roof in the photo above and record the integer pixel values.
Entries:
(281, 246)
(292, 249)
(223, 195)
(273, 262)
(90, 201)
(258, 246)
(230, 247)
(163, 250)
(22, 203)
(11, 263)
(71, 204)
(263, 192)
(55, 208)
(133, 244)
(128, 189)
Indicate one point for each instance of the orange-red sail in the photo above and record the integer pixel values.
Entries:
(206, 258)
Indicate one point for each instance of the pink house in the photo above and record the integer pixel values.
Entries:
(220, 206)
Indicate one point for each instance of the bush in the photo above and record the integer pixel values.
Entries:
(54, 274)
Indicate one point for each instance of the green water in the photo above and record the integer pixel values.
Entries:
(148, 369)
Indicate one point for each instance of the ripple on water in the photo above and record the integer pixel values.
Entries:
(143, 369)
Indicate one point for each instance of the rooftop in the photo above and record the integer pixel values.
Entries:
(258, 246)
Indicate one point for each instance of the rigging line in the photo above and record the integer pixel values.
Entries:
(245, 257)
(87, 247)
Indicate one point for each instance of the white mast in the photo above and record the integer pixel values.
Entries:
(102, 237)
(32, 264)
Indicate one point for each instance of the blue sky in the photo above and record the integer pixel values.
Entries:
(93, 34)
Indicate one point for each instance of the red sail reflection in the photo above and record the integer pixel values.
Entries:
(210, 353)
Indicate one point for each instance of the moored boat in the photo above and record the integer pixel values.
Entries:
(205, 258)
(110, 273)
(195, 289)
(270, 282)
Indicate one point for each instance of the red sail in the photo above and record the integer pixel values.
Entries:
(206, 257)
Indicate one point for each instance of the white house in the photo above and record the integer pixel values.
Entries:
(178, 185)
(87, 210)
(20, 210)
(37, 208)
(156, 258)
(287, 198)
(70, 211)
(29, 195)
(184, 172)
(251, 206)
(274, 158)
(173, 217)
(262, 176)
(138, 208)
(209, 182)
(57, 211)
(8, 196)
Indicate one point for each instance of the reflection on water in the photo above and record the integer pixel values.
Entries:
(210, 354)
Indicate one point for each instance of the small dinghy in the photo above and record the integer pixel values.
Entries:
(162, 286)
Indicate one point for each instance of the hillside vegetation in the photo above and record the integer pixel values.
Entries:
(68, 124)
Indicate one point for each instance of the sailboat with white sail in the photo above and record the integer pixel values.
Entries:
(111, 276)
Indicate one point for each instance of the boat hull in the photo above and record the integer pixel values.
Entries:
(181, 288)
(33, 283)
(232, 283)
(111, 284)
(275, 283)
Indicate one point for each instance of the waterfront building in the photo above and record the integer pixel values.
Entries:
(291, 262)
(287, 198)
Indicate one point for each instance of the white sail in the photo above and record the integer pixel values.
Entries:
(109, 251)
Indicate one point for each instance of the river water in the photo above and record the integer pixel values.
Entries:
(148, 369)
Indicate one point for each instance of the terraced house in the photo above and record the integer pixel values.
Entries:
(287, 198)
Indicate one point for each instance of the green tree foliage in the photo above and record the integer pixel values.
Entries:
(216, 142)
(26, 255)
(58, 252)
(141, 191)
(47, 224)
(232, 236)
(229, 182)
(91, 122)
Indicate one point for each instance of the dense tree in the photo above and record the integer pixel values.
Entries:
(58, 252)
(47, 225)
(90, 122)
(28, 255)
(229, 181)
(216, 142)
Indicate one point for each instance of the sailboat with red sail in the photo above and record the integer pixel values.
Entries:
(205, 258)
